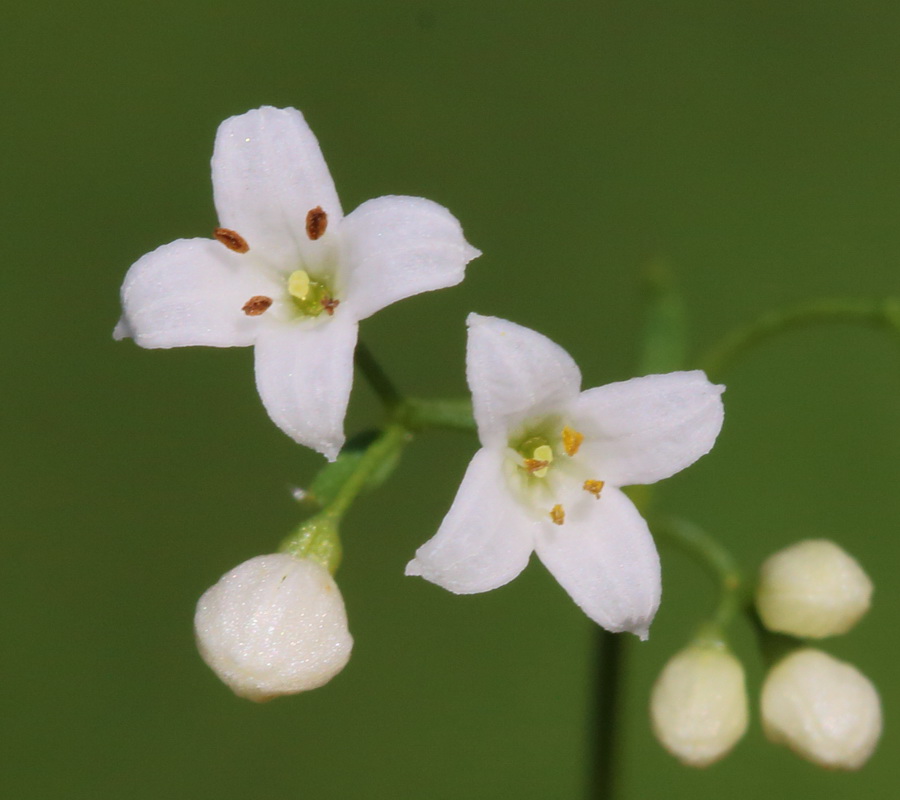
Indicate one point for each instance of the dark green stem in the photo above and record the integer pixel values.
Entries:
(884, 313)
(607, 715)
(378, 379)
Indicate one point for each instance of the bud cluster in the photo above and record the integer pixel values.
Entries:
(823, 709)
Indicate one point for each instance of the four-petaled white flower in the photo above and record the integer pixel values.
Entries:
(548, 474)
(288, 273)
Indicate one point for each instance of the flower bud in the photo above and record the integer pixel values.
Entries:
(698, 705)
(812, 589)
(823, 709)
(273, 625)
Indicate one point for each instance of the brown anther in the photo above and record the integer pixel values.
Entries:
(330, 304)
(572, 440)
(532, 465)
(316, 222)
(557, 514)
(256, 305)
(594, 487)
(232, 240)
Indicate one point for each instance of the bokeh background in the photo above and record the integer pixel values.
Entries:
(752, 145)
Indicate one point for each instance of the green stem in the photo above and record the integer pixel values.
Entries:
(453, 415)
(384, 449)
(607, 718)
(378, 379)
(717, 561)
(884, 313)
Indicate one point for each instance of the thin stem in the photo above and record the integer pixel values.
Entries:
(455, 415)
(384, 450)
(376, 376)
(607, 716)
(884, 313)
(717, 561)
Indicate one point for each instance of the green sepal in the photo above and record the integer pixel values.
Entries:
(317, 539)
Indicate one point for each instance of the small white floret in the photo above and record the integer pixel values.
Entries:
(274, 625)
(698, 705)
(812, 589)
(823, 709)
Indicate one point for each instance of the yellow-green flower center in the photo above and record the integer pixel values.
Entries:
(311, 296)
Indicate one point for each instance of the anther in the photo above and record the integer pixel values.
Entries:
(558, 514)
(536, 467)
(257, 305)
(316, 222)
(594, 487)
(572, 440)
(232, 240)
(330, 304)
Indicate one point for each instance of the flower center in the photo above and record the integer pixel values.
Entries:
(537, 456)
(311, 296)
(548, 448)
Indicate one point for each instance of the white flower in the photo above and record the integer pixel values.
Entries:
(288, 273)
(812, 589)
(698, 705)
(274, 625)
(823, 709)
(548, 474)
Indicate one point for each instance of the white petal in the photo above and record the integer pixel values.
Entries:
(605, 558)
(304, 373)
(486, 538)
(514, 373)
(268, 174)
(646, 429)
(190, 292)
(396, 247)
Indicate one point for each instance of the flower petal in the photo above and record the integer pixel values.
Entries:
(304, 373)
(268, 173)
(646, 429)
(396, 247)
(190, 292)
(605, 558)
(486, 538)
(514, 373)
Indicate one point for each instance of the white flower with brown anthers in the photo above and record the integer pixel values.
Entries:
(288, 273)
(548, 474)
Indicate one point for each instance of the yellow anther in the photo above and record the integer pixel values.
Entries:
(540, 460)
(572, 440)
(557, 514)
(594, 487)
(536, 467)
(298, 284)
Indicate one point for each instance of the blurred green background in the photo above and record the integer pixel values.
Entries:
(753, 145)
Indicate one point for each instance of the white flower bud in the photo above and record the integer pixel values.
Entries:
(273, 625)
(823, 709)
(698, 705)
(812, 589)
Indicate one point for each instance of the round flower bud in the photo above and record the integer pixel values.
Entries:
(273, 625)
(823, 709)
(812, 589)
(698, 705)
